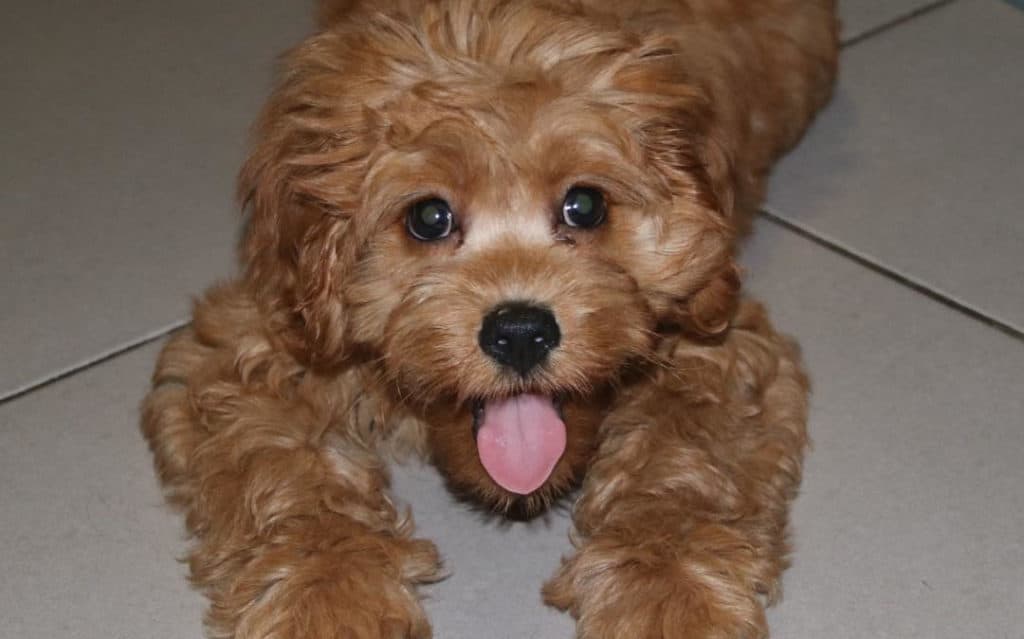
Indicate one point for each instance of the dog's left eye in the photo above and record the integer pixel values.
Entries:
(430, 220)
(584, 207)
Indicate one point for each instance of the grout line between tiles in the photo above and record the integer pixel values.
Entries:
(895, 276)
(895, 22)
(102, 358)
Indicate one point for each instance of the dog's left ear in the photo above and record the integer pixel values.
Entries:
(295, 257)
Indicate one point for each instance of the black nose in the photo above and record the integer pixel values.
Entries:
(519, 335)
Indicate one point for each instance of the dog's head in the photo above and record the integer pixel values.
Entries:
(501, 207)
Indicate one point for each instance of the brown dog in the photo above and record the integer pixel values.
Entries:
(501, 233)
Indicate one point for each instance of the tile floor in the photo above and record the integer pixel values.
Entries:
(892, 246)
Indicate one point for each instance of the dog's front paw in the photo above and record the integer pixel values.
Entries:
(619, 589)
(333, 610)
(338, 595)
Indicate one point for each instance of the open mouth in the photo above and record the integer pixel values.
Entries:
(519, 439)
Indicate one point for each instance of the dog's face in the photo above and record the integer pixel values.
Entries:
(501, 220)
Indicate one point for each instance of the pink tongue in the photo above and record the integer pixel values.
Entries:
(520, 441)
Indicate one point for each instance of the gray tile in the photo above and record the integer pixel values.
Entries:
(124, 125)
(917, 163)
(908, 526)
(496, 568)
(860, 16)
(87, 548)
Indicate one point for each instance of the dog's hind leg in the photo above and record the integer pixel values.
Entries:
(295, 534)
(681, 526)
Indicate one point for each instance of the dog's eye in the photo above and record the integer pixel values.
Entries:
(430, 220)
(584, 207)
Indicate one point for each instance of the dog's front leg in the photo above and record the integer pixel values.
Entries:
(296, 537)
(680, 530)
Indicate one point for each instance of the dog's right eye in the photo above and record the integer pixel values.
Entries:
(430, 220)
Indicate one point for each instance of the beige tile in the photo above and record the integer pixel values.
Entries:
(917, 163)
(124, 125)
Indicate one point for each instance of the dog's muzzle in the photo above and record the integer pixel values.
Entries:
(519, 335)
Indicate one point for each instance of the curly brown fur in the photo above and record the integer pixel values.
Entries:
(681, 523)
(344, 340)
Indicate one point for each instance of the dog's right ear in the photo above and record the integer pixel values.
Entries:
(300, 189)
(696, 284)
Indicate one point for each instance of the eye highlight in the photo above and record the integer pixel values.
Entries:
(430, 220)
(584, 207)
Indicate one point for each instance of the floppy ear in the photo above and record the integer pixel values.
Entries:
(300, 188)
(708, 309)
(677, 131)
(295, 259)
